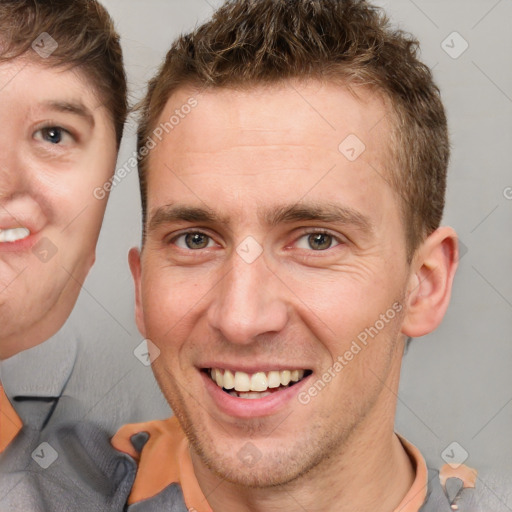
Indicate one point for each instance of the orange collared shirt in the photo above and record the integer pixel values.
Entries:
(166, 460)
(417, 494)
(10, 423)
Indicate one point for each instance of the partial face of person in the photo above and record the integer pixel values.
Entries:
(273, 276)
(57, 146)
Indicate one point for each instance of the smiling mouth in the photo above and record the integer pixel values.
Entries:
(14, 234)
(256, 385)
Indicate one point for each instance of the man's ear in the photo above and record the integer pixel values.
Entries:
(430, 284)
(135, 267)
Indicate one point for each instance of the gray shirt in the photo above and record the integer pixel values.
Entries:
(52, 464)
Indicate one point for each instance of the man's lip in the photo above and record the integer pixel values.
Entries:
(246, 408)
(253, 368)
(22, 217)
(13, 222)
(21, 245)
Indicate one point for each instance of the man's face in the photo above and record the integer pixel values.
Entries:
(270, 250)
(57, 146)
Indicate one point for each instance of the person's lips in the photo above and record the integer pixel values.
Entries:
(247, 394)
(18, 238)
(19, 229)
(255, 385)
(13, 235)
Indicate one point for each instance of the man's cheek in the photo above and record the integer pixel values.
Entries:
(164, 317)
(158, 324)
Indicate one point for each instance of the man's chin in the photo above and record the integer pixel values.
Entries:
(249, 468)
(261, 477)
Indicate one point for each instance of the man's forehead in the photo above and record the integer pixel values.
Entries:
(286, 127)
(289, 152)
(301, 107)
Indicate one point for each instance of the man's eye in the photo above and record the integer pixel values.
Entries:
(53, 134)
(194, 241)
(317, 242)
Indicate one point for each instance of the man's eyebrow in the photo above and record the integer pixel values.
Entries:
(329, 213)
(71, 107)
(176, 213)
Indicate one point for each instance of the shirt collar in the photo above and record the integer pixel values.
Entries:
(417, 494)
(165, 459)
(42, 371)
(10, 422)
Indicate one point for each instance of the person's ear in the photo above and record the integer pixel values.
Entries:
(430, 283)
(135, 267)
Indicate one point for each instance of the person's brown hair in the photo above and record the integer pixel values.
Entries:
(251, 42)
(86, 40)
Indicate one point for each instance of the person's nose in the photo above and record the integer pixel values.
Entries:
(13, 176)
(248, 302)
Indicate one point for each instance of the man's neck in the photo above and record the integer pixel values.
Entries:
(368, 474)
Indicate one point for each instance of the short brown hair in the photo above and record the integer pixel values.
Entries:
(250, 42)
(86, 39)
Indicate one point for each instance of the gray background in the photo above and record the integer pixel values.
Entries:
(456, 384)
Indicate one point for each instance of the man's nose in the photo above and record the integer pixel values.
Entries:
(249, 301)
(13, 176)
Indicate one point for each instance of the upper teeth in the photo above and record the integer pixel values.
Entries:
(13, 235)
(261, 381)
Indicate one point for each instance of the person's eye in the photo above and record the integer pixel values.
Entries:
(317, 242)
(54, 135)
(194, 241)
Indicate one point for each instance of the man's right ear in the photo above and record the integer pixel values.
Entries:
(135, 267)
(430, 283)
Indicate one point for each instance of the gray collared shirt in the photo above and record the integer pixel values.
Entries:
(39, 375)
(57, 462)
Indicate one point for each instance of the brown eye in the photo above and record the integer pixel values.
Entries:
(197, 240)
(320, 241)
